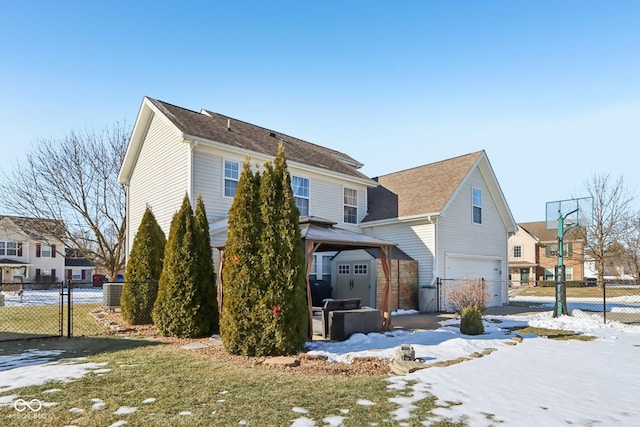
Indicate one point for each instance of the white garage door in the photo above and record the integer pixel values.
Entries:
(461, 268)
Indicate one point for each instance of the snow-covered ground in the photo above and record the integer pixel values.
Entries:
(538, 381)
(50, 297)
(622, 304)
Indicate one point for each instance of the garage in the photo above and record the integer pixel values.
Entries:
(486, 269)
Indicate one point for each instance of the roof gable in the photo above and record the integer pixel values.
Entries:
(33, 228)
(217, 128)
(539, 230)
(421, 190)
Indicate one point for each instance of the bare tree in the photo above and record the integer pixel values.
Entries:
(611, 204)
(631, 243)
(74, 180)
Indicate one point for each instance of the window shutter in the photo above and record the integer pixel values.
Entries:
(83, 274)
(19, 248)
(53, 253)
(53, 274)
(69, 274)
(38, 250)
(547, 251)
(37, 275)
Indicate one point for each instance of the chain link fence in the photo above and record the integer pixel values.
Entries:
(609, 301)
(40, 310)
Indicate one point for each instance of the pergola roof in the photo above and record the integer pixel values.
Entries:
(330, 238)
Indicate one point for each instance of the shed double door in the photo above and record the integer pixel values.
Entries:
(354, 281)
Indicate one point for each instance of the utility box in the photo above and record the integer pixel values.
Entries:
(344, 323)
(111, 295)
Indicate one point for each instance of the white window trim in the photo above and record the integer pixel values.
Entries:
(224, 176)
(344, 204)
(42, 248)
(473, 205)
(307, 198)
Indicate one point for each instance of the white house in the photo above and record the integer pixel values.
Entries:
(174, 151)
(452, 217)
(28, 253)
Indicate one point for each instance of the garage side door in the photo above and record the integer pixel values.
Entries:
(461, 268)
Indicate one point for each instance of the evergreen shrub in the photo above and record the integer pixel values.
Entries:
(144, 266)
(471, 321)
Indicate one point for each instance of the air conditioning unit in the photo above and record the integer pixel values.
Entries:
(111, 294)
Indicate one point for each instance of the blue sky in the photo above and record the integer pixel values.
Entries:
(550, 89)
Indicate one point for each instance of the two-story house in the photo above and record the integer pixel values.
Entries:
(450, 216)
(533, 254)
(28, 252)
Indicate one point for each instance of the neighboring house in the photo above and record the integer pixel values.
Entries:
(448, 217)
(28, 252)
(77, 267)
(533, 254)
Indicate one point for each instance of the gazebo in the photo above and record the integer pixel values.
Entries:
(321, 235)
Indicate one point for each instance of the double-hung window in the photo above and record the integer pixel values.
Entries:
(231, 177)
(300, 187)
(350, 205)
(517, 251)
(476, 200)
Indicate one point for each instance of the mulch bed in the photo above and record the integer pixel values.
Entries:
(307, 365)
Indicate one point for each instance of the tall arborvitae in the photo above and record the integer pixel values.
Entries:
(144, 266)
(283, 308)
(177, 308)
(207, 278)
(242, 284)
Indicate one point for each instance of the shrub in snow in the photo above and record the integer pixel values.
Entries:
(471, 321)
(467, 293)
(144, 266)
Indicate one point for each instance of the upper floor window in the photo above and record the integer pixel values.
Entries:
(10, 249)
(517, 251)
(350, 206)
(476, 200)
(300, 187)
(45, 251)
(552, 249)
(231, 177)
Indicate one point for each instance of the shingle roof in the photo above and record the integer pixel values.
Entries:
(213, 126)
(35, 228)
(540, 231)
(420, 190)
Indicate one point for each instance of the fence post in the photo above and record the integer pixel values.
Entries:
(69, 310)
(604, 301)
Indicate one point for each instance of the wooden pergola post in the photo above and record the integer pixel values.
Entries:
(309, 248)
(385, 260)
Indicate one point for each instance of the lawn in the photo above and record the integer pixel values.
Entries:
(183, 387)
(42, 320)
(594, 292)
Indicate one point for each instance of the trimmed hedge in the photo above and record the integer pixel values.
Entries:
(569, 283)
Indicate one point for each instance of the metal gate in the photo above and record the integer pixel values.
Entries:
(35, 310)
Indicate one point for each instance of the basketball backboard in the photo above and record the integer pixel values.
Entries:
(575, 212)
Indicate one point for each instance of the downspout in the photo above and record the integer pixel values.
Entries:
(192, 147)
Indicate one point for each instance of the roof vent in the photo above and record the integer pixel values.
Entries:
(228, 124)
(272, 134)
